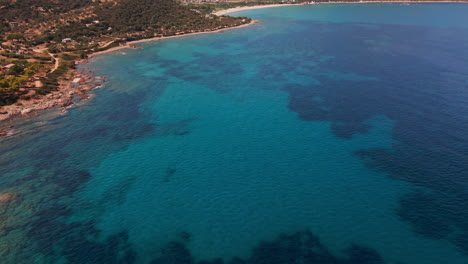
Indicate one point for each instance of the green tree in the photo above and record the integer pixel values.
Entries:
(15, 70)
(16, 36)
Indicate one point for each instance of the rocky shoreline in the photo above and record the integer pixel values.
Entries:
(6, 131)
(75, 86)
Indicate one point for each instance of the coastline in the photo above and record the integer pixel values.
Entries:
(130, 44)
(68, 90)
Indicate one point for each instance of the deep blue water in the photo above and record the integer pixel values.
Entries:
(322, 134)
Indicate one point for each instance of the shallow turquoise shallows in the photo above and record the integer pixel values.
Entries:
(321, 134)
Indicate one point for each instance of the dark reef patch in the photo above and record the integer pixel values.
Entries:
(168, 175)
(70, 181)
(174, 253)
(177, 128)
(421, 90)
(301, 247)
(114, 250)
(207, 70)
(426, 210)
(77, 243)
(349, 129)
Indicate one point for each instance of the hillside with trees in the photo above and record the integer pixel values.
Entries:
(34, 10)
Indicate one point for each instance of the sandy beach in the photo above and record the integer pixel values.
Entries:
(130, 44)
(244, 8)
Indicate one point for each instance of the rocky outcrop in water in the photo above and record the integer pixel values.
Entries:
(62, 98)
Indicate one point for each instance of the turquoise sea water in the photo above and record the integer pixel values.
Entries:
(322, 134)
